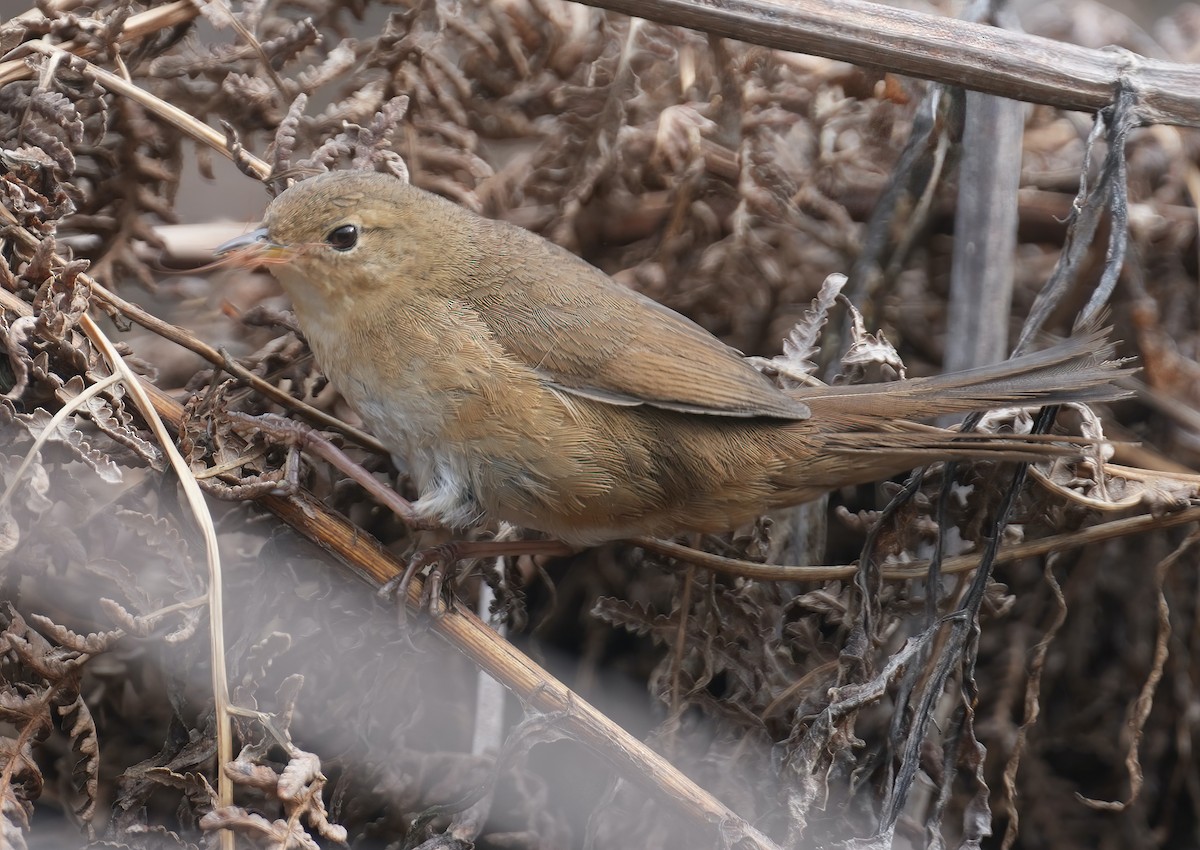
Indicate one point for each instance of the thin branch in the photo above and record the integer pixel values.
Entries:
(918, 569)
(169, 113)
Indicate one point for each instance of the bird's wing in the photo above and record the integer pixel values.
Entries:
(590, 336)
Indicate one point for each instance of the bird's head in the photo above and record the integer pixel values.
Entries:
(343, 234)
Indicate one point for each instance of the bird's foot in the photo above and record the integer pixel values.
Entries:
(442, 559)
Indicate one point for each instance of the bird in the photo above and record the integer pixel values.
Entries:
(516, 382)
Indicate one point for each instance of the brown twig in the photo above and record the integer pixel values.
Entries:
(918, 569)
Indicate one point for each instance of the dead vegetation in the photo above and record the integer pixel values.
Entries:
(876, 701)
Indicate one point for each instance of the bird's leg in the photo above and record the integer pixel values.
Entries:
(298, 434)
(443, 558)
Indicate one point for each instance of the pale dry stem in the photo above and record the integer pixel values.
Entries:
(57, 419)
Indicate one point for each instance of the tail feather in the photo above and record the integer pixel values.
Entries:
(864, 433)
(909, 448)
(846, 459)
(1080, 368)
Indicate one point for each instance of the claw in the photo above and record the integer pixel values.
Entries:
(443, 558)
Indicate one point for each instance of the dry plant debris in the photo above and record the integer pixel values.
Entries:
(1055, 694)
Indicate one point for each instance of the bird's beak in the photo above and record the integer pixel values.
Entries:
(255, 246)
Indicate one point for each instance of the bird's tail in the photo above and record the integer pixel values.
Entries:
(1081, 368)
(864, 433)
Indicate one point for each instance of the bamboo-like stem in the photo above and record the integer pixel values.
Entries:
(982, 58)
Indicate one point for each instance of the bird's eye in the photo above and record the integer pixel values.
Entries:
(343, 238)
